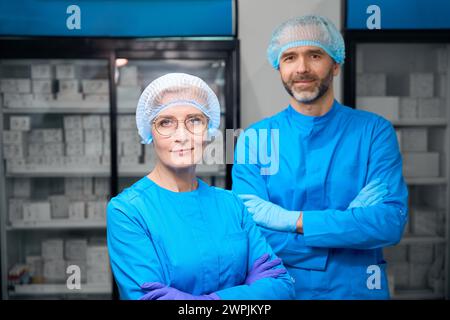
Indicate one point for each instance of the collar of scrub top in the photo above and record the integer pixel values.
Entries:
(149, 182)
(307, 123)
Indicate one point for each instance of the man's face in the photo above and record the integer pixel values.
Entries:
(307, 73)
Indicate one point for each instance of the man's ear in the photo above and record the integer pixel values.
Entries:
(336, 68)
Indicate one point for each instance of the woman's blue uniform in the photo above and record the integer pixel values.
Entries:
(323, 164)
(199, 242)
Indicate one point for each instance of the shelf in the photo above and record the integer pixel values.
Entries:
(56, 110)
(57, 289)
(416, 295)
(57, 224)
(421, 239)
(426, 181)
(142, 170)
(48, 172)
(439, 122)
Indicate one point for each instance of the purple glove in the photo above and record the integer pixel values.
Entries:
(159, 291)
(262, 269)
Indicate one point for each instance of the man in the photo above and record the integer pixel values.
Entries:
(329, 155)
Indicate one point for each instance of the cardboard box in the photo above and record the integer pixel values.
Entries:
(17, 100)
(69, 97)
(73, 122)
(77, 210)
(95, 86)
(421, 164)
(55, 271)
(13, 151)
(126, 122)
(36, 150)
(69, 87)
(414, 139)
(128, 161)
(93, 149)
(97, 257)
(74, 149)
(425, 221)
(42, 86)
(106, 123)
(101, 186)
(65, 71)
(131, 149)
(92, 122)
(93, 136)
(22, 188)
(75, 249)
(53, 135)
(73, 186)
(387, 107)
(408, 108)
(14, 137)
(36, 211)
(52, 249)
(41, 71)
(52, 149)
(371, 84)
(15, 85)
(74, 136)
(42, 100)
(20, 123)
(59, 207)
(431, 108)
(36, 136)
(421, 85)
(15, 210)
(96, 210)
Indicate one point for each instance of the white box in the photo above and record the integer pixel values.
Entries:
(13, 151)
(53, 135)
(15, 85)
(54, 271)
(80, 264)
(75, 249)
(36, 150)
(56, 161)
(96, 210)
(14, 137)
(126, 122)
(371, 84)
(421, 164)
(128, 76)
(128, 161)
(73, 122)
(65, 71)
(421, 85)
(74, 135)
(59, 207)
(88, 186)
(431, 108)
(408, 108)
(94, 136)
(73, 187)
(95, 86)
(414, 139)
(15, 210)
(20, 123)
(41, 71)
(105, 160)
(387, 107)
(74, 149)
(36, 211)
(418, 276)
(77, 210)
(128, 94)
(133, 149)
(106, 123)
(17, 100)
(69, 97)
(42, 86)
(42, 100)
(22, 188)
(425, 221)
(36, 136)
(101, 186)
(92, 122)
(69, 87)
(54, 149)
(97, 256)
(421, 253)
(52, 249)
(93, 149)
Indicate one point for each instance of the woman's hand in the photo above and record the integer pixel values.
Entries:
(263, 269)
(159, 291)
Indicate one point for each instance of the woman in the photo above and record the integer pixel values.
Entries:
(170, 235)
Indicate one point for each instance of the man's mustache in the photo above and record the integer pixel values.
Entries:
(303, 77)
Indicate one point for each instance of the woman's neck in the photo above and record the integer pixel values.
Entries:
(177, 180)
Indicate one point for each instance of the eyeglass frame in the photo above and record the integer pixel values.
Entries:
(178, 121)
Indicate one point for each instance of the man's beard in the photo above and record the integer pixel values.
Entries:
(309, 97)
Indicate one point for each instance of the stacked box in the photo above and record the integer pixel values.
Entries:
(15, 210)
(54, 271)
(17, 100)
(421, 85)
(73, 122)
(52, 150)
(421, 253)
(408, 108)
(36, 150)
(99, 98)
(42, 100)
(36, 136)
(14, 137)
(414, 139)
(128, 161)
(77, 210)
(74, 136)
(59, 207)
(101, 186)
(126, 123)
(88, 186)
(371, 84)
(441, 86)
(43, 86)
(65, 71)
(13, 151)
(75, 249)
(41, 71)
(128, 76)
(96, 210)
(418, 275)
(74, 149)
(425, 221)
(401, 275)
(80, 264)
(430, 108)
(36, 268)
(95, 86)
(387, 107)
(73, 187)
(98, 265)
(106, 123)
(15, 85)
(52, 249)
(92, 122)
(53, 135)
(94, 136)
(22, 188)
(69, 87)
(93, 149)
(421, 164)
(36, 211)
(20, 123)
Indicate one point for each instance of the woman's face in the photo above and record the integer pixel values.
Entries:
(180, 148)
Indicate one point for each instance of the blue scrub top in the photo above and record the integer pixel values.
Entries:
(323, 163)
(199, 242)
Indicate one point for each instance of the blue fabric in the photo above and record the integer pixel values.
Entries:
(324, 162)
(199, 242)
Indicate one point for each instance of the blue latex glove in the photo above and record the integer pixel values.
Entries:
(373, 193)
(263, 269)
(159, 291)
(270, 215)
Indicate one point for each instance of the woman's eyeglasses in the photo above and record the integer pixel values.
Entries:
(168, 125)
